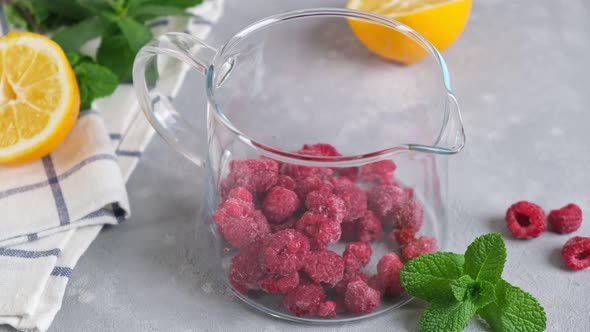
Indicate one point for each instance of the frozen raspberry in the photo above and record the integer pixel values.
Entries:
(381, 171)
(245, 271)
(369, 227)
(240, 224)
(360, 298)
(324, 266)
(355, 200)
(388, 271)
(241, 194)
(566, 220)
(327, 309)
(279, 204)
(299, 172)
(402, 236)
(257, 175)
(383, 199)
(289, 223)
(349, 232)
(284, 252)
(304, 300)
(279, 284)
(312, 183)
(576, 253)
(526, 220)
(421, 246)
(408, 215)
(356, 255)
(327, 204)
(286, 182)
(339, 291)
(375, 283)
(320, 230)
(350, 173)
(320, 149)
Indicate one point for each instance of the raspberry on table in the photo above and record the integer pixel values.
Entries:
(244, 270)
(280, 284)
(381, 171)
(565, 220)
(526, 220)
(408, 215)
(576, 253)
(327, 309)
(287, 224)
(304, 300)
(286, 182)
(312, 183)
(421, 246)
(388, 273)
(326, 203)
(356, 255)
(360, 298)
(321, 230)
(284, 252)
(355, 200)
(257, 175)
(241, 193)
(369, 227)
(349, 232)
(279, 204)
(324, 266)
(402, 236)
(383, 199)
(241, 224)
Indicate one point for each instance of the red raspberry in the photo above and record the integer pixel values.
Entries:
(421, 246)
(320, 230)
(375, 283)
(284, 252)
(241, 194)
(244, 270)
(327, 309)
(381, 171)
(388, 271)
(339, 291)
(356, 255)
(384, 198)
(320, 149)
(299, 172)
(304, 300)
(576, 253)
(327, 204)
(240, 224)
(289, 223)
(566, 220)
(402, 236)
(349, 232)
(349, 173)
(257, 175)
(324, 266)
(312, 183)
(279, 284)
(355, 201)
(360, 298)
(279, 204)
(369, 227)
(526, 220)
(408, 215)
(287, 182)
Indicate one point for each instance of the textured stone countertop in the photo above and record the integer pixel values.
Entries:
(522, 77)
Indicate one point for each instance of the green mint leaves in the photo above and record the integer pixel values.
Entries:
(94, 81)
(460, 286)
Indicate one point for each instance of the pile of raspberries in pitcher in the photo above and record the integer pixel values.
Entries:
(284, 218)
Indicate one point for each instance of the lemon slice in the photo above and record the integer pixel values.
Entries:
(39, 97)
(440, 21)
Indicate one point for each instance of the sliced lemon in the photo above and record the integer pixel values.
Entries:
(39, 97)
(440, 21)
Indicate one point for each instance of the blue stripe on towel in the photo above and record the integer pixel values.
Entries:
(115, 136)
(29, 253)
(62, 271)
(32, 237)
(128, 153)
(58, 196)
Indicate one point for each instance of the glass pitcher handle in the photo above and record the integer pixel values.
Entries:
(156, 105)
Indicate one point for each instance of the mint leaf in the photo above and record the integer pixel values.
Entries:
(136, 33)
(429, 276)
(481, 293)
(94, 81)
(15, 18)
(149, 12)
(175, 3)
(485, 258)
(67, 8)
(114, 53)
(73, 37)
(460, 287)
(447, 316)
(514, 310)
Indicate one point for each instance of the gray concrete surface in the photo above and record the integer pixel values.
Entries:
(522, 77)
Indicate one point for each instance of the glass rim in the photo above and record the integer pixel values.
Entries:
(323, 161)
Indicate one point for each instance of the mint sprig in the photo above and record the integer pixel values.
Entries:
(460, 286)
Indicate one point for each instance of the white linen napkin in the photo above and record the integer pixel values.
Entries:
(52, 209)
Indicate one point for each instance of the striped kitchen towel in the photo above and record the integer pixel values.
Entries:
(52, 209)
